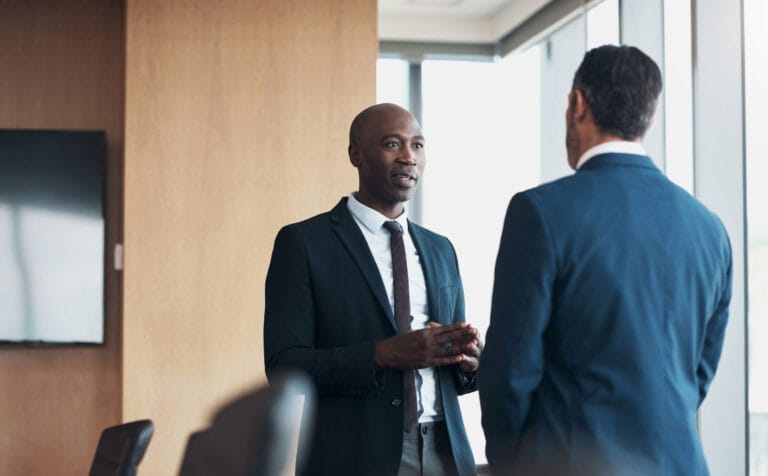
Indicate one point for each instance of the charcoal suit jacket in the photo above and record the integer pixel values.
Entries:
(326, 306)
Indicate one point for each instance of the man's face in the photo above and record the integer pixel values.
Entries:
(390, 159)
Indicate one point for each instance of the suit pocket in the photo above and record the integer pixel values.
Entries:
(447, 304)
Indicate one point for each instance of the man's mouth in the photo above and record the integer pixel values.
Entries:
(404, 179)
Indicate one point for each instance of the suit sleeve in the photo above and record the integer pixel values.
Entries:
(289, 328)
(512, 363)
(465, 382)
(715, 331)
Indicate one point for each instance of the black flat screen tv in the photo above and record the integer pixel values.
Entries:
(52, 236)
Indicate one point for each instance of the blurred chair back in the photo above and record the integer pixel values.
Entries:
(121, 448)
(262, 433)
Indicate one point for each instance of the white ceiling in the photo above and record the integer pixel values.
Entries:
(453, 21)
(464, 8)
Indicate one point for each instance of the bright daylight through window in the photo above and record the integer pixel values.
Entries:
(493, 129)
(483, 122)
(756, 119)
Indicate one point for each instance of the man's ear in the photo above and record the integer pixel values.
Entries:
(579, 107)
(354, 154)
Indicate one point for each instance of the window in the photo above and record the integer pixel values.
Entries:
(561, 54)
(493, 128)
(756, 118)
(603, 24)
(482, 127)
(481, 121)
(678, 94)
(392, 82)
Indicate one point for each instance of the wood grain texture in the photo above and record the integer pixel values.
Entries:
(236, 123)
(62, 67)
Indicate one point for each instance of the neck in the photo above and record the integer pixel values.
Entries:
(590, 142)
(390, 211)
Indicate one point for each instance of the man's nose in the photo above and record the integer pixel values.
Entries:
(408, 156)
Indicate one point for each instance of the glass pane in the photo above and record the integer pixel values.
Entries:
(678, 93)
(756, 103)
(392, 81)
(561, 55)
(603, 24)
(481, 122)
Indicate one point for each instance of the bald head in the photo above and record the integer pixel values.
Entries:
(364, 121)
(387, 149)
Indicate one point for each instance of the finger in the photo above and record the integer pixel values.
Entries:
(468, 331)
(451, 349)
(448, 328)
(446, 348)
(433, 324)
(471, 350)
(448, 360)
(457, 337)
(453, 335)
(469, 364)
(467, 327)
(480, 343)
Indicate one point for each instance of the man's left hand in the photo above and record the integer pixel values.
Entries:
(470, 351)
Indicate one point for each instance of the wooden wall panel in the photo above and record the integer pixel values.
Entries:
(236, 123)
(62, 66)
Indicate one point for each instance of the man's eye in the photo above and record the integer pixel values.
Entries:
(392, 145)
(419, 146)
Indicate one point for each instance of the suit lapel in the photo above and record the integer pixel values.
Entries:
(427, 255)
(350, 235)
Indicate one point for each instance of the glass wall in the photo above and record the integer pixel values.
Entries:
(492, 128)
(603, 24)
(561, 53)
(756, 119)
(392, 81)
(481, 122)
(496, 128)
(678, 93)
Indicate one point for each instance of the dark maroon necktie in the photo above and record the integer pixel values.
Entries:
(403, 315)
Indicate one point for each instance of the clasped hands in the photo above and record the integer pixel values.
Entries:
(433, 346)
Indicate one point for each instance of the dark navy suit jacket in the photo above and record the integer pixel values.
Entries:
(326, 305)
(609, 306)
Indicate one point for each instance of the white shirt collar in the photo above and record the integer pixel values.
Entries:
(372, 220)
(618, 146)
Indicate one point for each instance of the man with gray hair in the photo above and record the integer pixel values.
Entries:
(610, 299)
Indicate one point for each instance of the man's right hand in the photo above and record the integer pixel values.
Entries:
(428, 347)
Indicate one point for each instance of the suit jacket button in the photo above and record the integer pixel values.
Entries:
(396, 402)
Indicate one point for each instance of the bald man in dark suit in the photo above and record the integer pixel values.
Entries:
(333, 307)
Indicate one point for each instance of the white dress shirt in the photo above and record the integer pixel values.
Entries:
(371, 223)
(616, 147)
